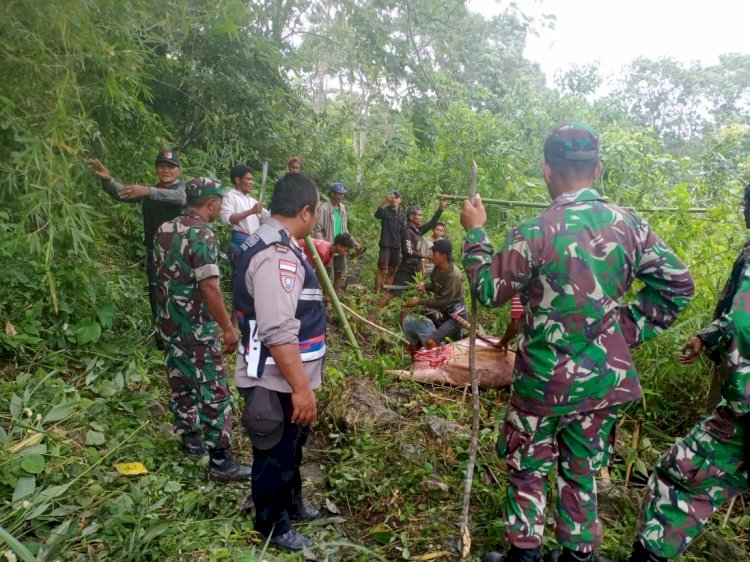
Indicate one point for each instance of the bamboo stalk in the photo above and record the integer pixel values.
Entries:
(475, 405)
(728, 514)
(323, 276)
(263, 180)
(467, 325)
(530, 204)
(634, 442)
(373, 324)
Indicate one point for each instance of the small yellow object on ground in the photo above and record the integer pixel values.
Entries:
(131, 468)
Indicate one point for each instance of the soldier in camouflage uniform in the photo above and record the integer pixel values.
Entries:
(571, 266)
(189, 304)
(710, 466)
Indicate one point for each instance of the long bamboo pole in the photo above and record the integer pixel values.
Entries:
(475, 405)
(530, 204)
(323, 276)
(373, 324)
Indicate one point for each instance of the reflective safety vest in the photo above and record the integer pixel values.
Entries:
(310, 309)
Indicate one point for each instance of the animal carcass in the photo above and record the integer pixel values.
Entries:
(449, 364)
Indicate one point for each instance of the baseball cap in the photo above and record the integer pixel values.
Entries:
(572, 141)
(263, 418)
(444, 247)
(203, 187)
(168, 156)
(395, 192)
(338, 187)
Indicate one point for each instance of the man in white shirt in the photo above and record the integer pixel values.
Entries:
(239, 210)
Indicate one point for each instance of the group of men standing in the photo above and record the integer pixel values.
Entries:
(278, 306)
(571, 267)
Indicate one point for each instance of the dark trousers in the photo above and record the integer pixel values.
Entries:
(153, 281)
(277, 484)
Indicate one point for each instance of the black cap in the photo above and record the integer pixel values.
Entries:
(444, 247)
(263, 418)
(168, 156)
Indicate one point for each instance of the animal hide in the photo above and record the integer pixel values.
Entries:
(449, 364)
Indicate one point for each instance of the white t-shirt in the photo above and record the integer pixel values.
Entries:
(237, 202)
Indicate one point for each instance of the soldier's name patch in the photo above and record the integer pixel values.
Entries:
(287, 274)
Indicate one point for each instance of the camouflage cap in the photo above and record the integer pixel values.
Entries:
(203, 187)
(572, 141)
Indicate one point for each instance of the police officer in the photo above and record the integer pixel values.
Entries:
(280, 312)
(189, 305)
(572, 265)
(161, 202)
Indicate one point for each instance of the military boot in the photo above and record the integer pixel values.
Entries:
(291, 541)
(515, 555)
(192, 444)
(568, 555)
(306, 513)
(640, 554)
(223, 468)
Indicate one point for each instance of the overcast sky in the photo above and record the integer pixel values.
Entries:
(615, 32)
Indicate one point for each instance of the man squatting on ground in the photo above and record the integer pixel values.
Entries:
(446, 284)
(239, 210)
(189, 305)
(391, 219)
(161, 202)
(279, 308)
(571, 265)
(332, 221)
(709, 466)
(411, 258)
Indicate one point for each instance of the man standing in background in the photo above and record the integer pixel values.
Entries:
(294, 164)
(239, 210)
(438, 233)
(332, 221)
(391, 222)
(161, 202)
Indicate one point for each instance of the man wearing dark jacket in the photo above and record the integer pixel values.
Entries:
(159, 203)
(391, 222)
(411, 259)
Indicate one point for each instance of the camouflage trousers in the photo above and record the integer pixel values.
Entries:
(690, 481)
(579, 445)
(200, 399)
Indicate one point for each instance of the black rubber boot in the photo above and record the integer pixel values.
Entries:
(640, 554)
(291, 541)
(223, 468)
(306, 513)
(515, 555)
(192, 444)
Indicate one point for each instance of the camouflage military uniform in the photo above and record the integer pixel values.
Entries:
(185, 253)
(572, 265)
(709, 467)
